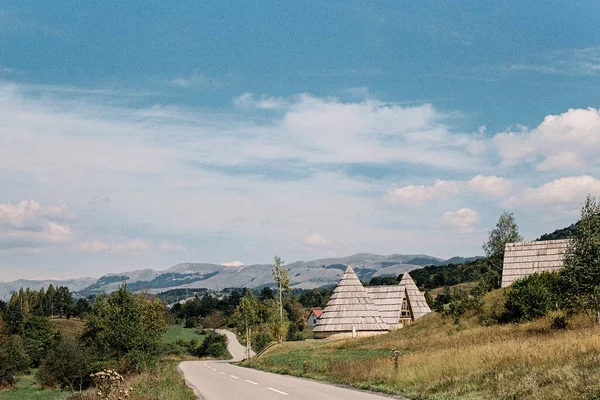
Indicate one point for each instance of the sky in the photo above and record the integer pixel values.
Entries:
(143, 134)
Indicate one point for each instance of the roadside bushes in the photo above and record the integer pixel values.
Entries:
(213, 345)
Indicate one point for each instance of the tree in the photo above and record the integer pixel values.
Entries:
(246, 317)
(37, 337)
(582, 262)
(281, 277)
(82, 307)
(506, 231)
(126, 326)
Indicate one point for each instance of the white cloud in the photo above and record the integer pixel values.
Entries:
(194, 80)
(28, 224)
(462, 220)
(171, 246)
(567, 193)
(236, 263)
(93, 246)
(579, 61)
(489, 186)
(419, 194)
(568, 140)
(316, 240)
(248, 101)
(134, 246)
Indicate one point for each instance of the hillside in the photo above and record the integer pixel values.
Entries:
(303, 275)
(443, 360)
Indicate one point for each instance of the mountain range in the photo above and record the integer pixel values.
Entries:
(302, 274)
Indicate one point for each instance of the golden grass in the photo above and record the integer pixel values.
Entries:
(442, 360)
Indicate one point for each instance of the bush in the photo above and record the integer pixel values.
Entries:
(126, 327)
(532, 297)
(214, 345)
(67, 365)
(13, 360)
(261, 340)
(191, 322)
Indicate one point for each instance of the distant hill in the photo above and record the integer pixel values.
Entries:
(303, 275)
(563, 233)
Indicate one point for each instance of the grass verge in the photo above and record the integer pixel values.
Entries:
(26, 388)
(443, 360)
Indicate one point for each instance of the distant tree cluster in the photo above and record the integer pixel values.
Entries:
(122, 331)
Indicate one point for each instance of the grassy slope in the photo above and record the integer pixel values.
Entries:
(176, 332)
(442, 360)
(68, 327)
(27, 389)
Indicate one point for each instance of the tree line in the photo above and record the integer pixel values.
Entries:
(122, 331)
(52, 302)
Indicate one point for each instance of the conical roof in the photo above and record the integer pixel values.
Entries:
(350, 307)
(416, 299)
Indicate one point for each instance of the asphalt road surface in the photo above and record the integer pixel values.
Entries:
(219, 380)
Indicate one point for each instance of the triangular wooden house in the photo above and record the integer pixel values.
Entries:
(350, 312)
(399, 305)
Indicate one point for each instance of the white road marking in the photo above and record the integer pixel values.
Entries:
(254, 383)
(214, 369)
(278, 391)
(234, 377)
(222, 373)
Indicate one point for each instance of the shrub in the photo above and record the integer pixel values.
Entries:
(214, 345)
(191, 322)
(13, 360)
(66, 365)
(532, 297)
(127, 327)
(261, 340)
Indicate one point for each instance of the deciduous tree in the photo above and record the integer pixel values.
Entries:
(582, 261)
(506, 231)
(283, 281)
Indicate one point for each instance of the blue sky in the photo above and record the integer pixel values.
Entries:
(142, 134)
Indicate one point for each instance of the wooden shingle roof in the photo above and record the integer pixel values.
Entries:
(526, 258)
(388, 300)
(416, 299)
(350, 307)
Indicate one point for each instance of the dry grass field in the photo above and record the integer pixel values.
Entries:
(440, 359)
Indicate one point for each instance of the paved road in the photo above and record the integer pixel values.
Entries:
(238, 352)
(219, 380)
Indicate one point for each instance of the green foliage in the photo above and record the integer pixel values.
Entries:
(383, 280)
(532, 297)
(261, 340)
(506, 231)
(191, 322)
(564, 233)
(67, 364)
(126, 325)
(13, 359)
(582, 262)
(82, 307)
(436, 276)
(37, 336)
(313, 298)
(213, 345)
(280, 275)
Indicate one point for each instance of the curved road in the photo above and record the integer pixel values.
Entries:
(219, 380)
